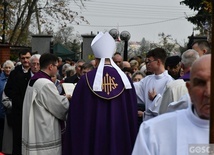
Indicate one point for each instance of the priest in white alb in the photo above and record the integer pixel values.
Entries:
(43, 111)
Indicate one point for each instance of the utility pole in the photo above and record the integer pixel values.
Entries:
(212, 81)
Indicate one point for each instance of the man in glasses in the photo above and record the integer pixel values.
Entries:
(150, 89)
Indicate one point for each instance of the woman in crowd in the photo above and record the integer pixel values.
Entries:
(137, 76)
(7, 67)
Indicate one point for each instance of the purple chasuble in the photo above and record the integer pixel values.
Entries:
(101, 123)
(186, 77)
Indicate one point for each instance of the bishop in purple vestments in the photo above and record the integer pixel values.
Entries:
(102, 120)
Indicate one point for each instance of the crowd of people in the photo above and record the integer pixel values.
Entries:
(140, 106)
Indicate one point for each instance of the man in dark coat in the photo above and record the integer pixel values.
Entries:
(75, 78)
(15, 90)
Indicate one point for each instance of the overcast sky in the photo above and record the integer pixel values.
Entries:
(142, 18)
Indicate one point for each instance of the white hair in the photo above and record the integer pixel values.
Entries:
(35, 56)
(188, 57)
(65, 66)
(8, 63)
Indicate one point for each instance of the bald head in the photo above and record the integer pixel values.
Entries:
(118, 59)
(126, 64)
(199, 86)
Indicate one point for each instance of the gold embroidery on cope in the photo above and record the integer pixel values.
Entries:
(109, 83)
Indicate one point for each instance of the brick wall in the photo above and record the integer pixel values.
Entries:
(4, 53)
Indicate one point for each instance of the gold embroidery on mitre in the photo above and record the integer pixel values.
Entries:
(109, 84)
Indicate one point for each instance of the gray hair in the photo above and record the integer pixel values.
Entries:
(188, 57)
(35, 56)
(8, 63)
(70, 70)
(65, 66)
(60, 59)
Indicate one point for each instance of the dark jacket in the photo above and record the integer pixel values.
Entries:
(16, 87)
(72, 79)
(15, 90)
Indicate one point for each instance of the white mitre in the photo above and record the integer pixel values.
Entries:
(103, 46)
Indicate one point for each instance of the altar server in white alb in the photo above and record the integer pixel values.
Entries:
(173, 133)
(150, 89)
(43, 109)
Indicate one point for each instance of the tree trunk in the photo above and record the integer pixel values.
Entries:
(17, 24)
(25, 26)
(37, 19)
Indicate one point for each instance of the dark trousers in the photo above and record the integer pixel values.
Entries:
(17, 134)
(140, 107)
(1, 132)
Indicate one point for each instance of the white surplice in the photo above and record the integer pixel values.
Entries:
(43, 108)
(183, 103)
(173, 92)
(171, 134)
(150, 82)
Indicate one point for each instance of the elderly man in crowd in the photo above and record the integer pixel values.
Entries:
(34, 63)
(175, 90)
(118, 59)
(15, 90)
